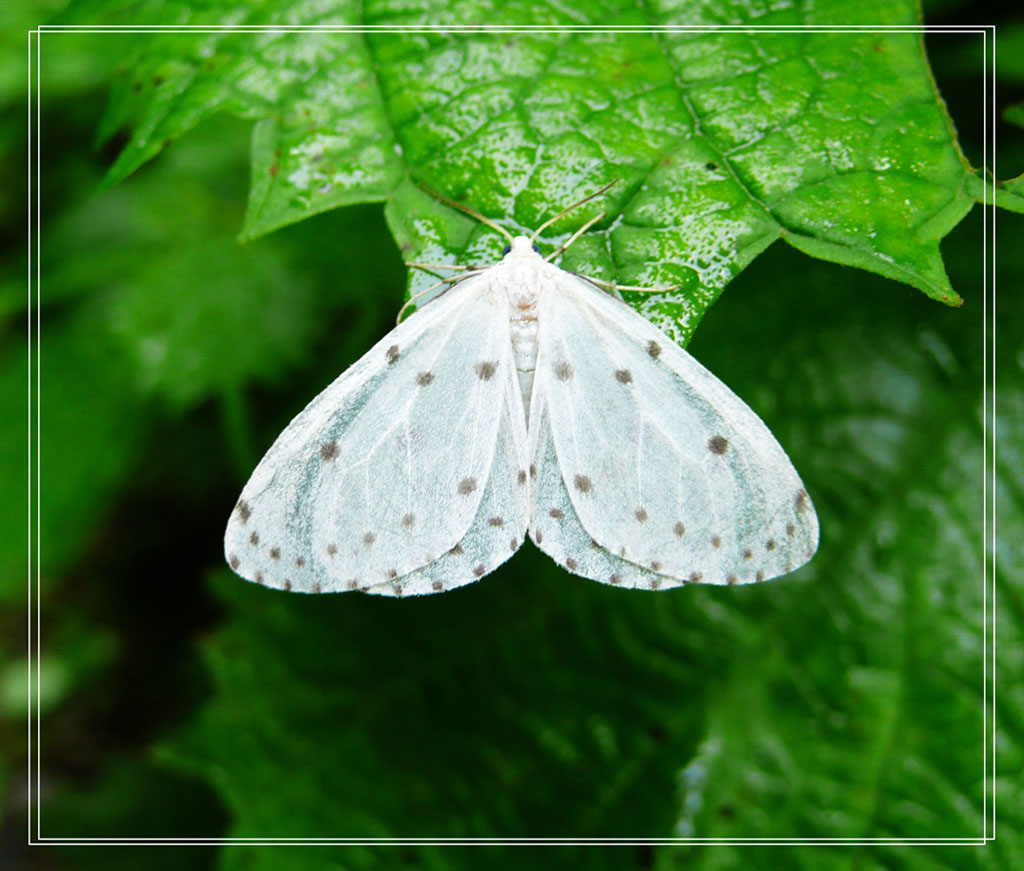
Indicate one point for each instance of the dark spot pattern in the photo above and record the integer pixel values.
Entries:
(254, 539)
(287, 586)
(641, 514)
(730, 580)
(485, 370)
(259, 577)
(300, 561)
(456, 551)
(275, 553)
(654, 349)
(315, 587)
(369, 539)
(397, 590)
(533, 471)
(329, 451)
(656, 566)
(759, 576)
(538, 536)
(409, 520)
(716, 541)
(479, 571)
(467, 486)
(800, 501)
(234, 561)
(717, 444)
(513, 544)
(770, 544)
(437, 586)
(594, 544)
(615, 579)
(570, 564)
(332, 549)
(563, 371)
(623, 376)
(790, 530)
(583, 484)
(353, 584)
(695, 577)
(392, 354)
(557, 513)
(244, 512)
(425, 378)
(655, 583)
(496, 521)
(521, 477)
(679, 529)
(392, 574)
(748, 554)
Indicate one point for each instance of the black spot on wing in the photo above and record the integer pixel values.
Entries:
(425, 378)
(583, 484)
(392, 354)
(467, 486)
(563, 370)
(623, 376)
(329, 451)
(485, 370)
(244, 512)
(654, 349)
(679, 529)
(718, 444)
(641, 514)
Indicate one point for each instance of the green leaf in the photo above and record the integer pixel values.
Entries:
(1007, 194)
(843, 701)
(837, 143)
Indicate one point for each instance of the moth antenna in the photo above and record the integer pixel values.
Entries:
(472, 213)
(561, 248)
(575, 205)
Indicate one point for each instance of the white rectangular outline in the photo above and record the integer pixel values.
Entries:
(987, 31)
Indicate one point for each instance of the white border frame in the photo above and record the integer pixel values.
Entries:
(987, 31)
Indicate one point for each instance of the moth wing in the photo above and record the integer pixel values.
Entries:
(384, 471)
(557, 530)
(502, 518)
(665, 467)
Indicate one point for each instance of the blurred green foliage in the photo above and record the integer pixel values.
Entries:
(844, 701)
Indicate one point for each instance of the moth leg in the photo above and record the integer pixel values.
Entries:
(449, 281)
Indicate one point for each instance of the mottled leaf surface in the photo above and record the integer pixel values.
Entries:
(724, 142)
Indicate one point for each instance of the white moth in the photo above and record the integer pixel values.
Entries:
(524, 401)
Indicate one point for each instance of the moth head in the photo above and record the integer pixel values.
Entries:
(520, 245)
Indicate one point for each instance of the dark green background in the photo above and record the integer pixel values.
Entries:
(842, 701)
